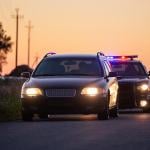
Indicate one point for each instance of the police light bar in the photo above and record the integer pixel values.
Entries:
(122, 57)
(49, 53)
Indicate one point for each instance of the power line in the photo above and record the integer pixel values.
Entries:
(17, 17)
(29, 27)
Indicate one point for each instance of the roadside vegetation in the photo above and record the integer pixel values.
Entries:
(10, 105)
(5, 46)
(10, 87)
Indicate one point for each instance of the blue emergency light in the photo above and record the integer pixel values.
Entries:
(124, 57)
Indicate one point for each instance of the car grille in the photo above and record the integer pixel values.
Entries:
(126, 95)
(60, 92)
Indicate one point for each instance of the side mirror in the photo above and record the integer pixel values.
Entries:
(112, 74)
(25, 74)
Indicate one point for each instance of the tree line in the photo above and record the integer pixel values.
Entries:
(5, 46)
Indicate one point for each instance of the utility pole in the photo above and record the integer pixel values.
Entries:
(17, 17)
(29, 27)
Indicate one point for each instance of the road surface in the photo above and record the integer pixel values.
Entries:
(128, 132)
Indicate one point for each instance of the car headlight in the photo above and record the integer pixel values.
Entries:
(91, 91)
(143, 103)
(143, 87)
(32, 92)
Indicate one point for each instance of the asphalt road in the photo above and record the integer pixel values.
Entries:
(128, 132)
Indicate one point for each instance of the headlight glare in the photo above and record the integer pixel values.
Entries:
(143, 103)
(90, 91)
(32, 92)
(143, 87)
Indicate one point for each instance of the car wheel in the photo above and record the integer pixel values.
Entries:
(146, 110)
(43, 116)
(104, 115)
(27, 115)
(114, 112)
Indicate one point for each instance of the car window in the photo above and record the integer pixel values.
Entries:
(67, 66)
(128, 68)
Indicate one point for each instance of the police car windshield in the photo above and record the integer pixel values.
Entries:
(69, 66)
(128, 68)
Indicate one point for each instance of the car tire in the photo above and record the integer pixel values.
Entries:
(114, 112)
(104, 115)
(27, 115)
(43, 116)
(146, 110)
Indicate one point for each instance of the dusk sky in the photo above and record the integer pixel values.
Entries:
(120, 27)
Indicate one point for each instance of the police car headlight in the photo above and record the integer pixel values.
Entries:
(143, 87)
(31, 92)
(143, 103)
(91, 91)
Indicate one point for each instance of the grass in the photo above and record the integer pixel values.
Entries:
(10, 105)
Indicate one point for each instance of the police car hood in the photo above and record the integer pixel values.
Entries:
(132, 79)
(64, 82)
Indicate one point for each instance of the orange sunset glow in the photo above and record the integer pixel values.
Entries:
(120, 27)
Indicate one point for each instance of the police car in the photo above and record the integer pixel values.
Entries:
(70, 83)
(134, 82)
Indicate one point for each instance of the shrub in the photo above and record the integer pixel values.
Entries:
(10, 105)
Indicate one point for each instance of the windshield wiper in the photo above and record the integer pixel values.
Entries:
(82, 74)
(78, 74)
(39, 75)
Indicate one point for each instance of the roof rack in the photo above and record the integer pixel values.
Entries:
(131, 57)
(49, 53)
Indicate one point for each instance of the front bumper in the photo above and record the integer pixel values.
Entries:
(75, 105)
(130, 97)
(144, 98)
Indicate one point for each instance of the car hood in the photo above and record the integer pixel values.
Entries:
(133, 80)
(64, 82)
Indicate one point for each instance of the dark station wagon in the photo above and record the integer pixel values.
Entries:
(70, 84)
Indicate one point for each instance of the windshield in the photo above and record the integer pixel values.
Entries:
(68, 66)
(128, 68)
